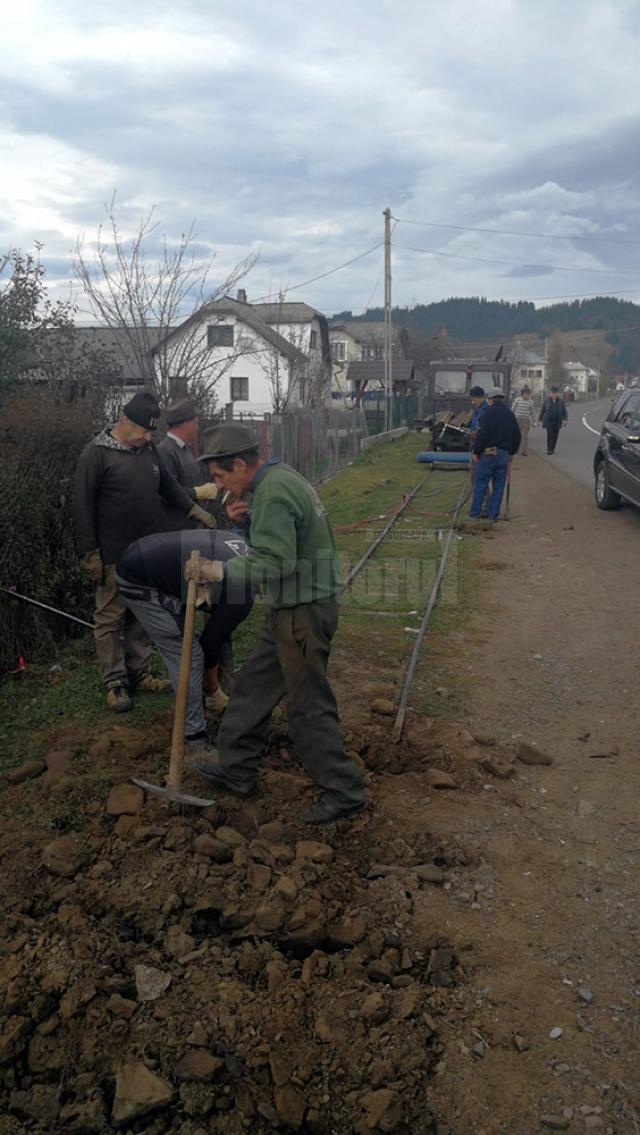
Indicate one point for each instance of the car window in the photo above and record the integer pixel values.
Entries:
(629, 413)
(616, 406)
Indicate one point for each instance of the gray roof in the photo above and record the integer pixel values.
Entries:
(362, 331)
(246, 313)
(373, 371)
(120, 349)
(285, 312)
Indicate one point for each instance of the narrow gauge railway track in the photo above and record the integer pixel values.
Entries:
(373, 547)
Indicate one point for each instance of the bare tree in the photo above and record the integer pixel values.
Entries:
(556, 372)
(144, 287)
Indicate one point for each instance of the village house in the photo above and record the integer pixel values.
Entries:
(355, 341)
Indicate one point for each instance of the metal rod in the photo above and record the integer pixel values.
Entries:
(46, 607)
(387, 528)
(402, 708)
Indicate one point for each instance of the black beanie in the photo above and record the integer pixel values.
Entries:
(143, 409)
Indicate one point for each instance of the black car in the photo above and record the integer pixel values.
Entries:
(616, 464)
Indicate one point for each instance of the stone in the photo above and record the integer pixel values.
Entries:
(290, 1106)
(408, 1003)
(374, 1009)
(429, 873)
(554, 1122)
(502, 770)
(151, 983)
(520, 1044)
(198, 1064)
(531, 755)
(230, 837)
(125, 800)
(585, 995)
(316, 852)
(99, 749)
(120, 1006)
(440, 967)
(594, 1122)
(383, 706)
(124, 827)
(383, 1110)
(271, 916)
(63, 856)
(138, 1093)
(272, 832)
(198, 1036)
(178, 943)
(276, 975)
(259, 876)
(281, 1070)
(28, 770)
(555, 1033)
(381, 969)
(86, 1117)
(286, 888)
(213, 849)
(57, 762)
(485, 739)
(436, 778)
(347, 932)
(14, 1038)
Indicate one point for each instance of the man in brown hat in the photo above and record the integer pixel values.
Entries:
(292, 559)
(179, 452)
(119, 482)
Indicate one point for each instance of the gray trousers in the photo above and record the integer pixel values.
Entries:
(161, 617)
(123, 649)
(290, 660)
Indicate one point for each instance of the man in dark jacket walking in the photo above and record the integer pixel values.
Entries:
(496, 442)
(118, 486)
(553, 415)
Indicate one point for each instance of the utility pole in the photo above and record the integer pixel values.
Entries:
(388, 331)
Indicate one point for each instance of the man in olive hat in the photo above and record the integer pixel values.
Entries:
(119, 483)
(292, 559)
(179, 451)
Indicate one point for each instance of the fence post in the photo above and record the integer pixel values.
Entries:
(228, 412)
(264, 439)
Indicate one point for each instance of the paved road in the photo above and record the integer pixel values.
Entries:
(577, 442)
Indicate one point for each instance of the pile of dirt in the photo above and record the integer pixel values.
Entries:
(226, 970)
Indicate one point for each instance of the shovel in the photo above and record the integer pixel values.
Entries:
(171, 790)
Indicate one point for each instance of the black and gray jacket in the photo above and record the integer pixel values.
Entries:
(118, 493)
(188, 472)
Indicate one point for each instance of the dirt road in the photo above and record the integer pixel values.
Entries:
(553, 932)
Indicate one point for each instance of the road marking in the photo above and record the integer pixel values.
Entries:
(586, 424)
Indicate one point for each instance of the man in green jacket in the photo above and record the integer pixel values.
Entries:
(292, 559)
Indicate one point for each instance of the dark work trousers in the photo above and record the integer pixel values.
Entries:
(290, 660)
(490, 470)
(553, 429)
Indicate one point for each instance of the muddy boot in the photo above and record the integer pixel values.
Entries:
(118, 699)
(147, 684)
(215, 703)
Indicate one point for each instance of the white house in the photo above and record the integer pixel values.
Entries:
(261, 357)
(529, 369)
(356, 341)
(583, 379)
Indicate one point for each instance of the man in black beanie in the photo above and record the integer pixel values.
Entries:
(179, 450)
(119, 486)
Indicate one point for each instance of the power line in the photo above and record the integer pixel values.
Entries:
(520, 263)
(322, 276)
(514, 232)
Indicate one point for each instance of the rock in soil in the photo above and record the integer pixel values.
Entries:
(199, 1065)
(28, 770)
(151, 983)
(125, 800)
(138, 1093)
(383, 706)
(63, 856)
(531, 755)
(554, 1122)
(316, 852)
(436, 778)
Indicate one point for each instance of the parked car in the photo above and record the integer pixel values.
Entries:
(616, 464)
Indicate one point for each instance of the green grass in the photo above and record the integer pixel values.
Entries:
(35, 706)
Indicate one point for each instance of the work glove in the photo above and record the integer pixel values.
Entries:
(92, 563)
(202, 516)
(206, 492)
(206, 571)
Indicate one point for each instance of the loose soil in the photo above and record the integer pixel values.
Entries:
(233, 971)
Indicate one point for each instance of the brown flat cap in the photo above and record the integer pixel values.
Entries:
(181, 411)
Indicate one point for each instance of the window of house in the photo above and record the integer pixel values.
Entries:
(339, 350)
(220, 335)
(239, 389)
(313, 340)
(538, 374)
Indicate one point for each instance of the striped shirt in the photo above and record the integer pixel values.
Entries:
(523, 408)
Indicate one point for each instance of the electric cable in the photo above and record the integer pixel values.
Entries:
(513, 232)
(520, 263)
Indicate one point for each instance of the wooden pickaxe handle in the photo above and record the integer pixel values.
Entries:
(182, 693)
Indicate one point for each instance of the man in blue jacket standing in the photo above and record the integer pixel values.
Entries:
(495, 444)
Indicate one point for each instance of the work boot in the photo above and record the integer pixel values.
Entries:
(328, 810)
(216, 703)
(147, 684)
(118, 699)
(216, 775)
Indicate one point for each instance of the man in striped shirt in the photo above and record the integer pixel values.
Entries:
(524, 410)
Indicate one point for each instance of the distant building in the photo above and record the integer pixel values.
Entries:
(529, 369)
(359, 341)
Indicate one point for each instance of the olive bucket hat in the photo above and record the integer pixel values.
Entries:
(227, 441)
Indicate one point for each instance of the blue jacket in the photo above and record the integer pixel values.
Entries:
(498, 428)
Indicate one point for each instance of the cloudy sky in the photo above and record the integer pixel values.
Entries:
(286, 128)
